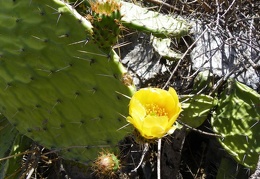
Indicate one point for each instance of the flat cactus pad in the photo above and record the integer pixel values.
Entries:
(56, 86)
(237, 120)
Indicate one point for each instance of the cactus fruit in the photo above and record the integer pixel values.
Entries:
(105, 19)
(237, 119)
(106, 165)
(56, 86)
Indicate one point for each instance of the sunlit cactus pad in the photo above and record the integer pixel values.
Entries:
(196, 109)
(237, 120)
(56, 86)
(138, 18)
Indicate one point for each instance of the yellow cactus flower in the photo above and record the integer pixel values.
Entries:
(153, 111)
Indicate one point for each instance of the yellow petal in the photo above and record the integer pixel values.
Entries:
(146, 95)
(153, 132)
(154, 126)
(136, 123)
(173, 119)
(150, 95)
(151, 121)
(174, 95)
(175, 105)
(136, 109)
(157, 132)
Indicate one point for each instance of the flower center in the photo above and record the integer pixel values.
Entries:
(155, 110)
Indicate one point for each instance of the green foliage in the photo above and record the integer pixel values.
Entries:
(237, 120)
(138, 18)
(8, 134)
(56, 86)
(203, 82)
(13, 144)
(196, 109)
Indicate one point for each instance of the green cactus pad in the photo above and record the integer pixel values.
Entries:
(203, 82)
(196, 109)
(56, 86)
(138, 18)
(237, 120)
(163, 47)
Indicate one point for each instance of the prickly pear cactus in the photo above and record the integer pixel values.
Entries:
(237, 120)
(56, 85)
(134, 17)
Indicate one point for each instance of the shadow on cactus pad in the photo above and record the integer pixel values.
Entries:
(237, 120)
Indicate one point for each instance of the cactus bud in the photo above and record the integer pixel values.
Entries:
(106, 165)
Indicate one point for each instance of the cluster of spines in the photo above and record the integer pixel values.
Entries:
(106, 165)
(106, 23)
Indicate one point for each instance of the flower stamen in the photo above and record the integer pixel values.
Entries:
(155, 110)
